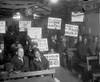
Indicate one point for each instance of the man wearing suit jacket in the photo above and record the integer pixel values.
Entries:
(39, 62)
(20, 62)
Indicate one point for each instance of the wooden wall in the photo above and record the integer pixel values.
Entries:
(92, 23)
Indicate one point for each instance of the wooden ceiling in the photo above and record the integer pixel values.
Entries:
(8, 7)
(41, 7)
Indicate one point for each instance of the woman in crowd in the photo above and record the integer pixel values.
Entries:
(39, 62)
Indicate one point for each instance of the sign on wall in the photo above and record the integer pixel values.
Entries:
(77, 17)
(2, 27)
(23, 25)
(35, 32)
(54, 59)
(43, 44)
(54, 23)
(71, 30)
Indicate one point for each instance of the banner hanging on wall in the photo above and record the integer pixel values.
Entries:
(71, 30)
(43, 44)
(2, 27)
(77, 17)
(54, 23)
(35, 32)
(54, 59)
(24, 25)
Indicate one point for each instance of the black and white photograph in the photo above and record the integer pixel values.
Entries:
(49, 40)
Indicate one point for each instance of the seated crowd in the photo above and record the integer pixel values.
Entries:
(23, 59)
(29, 58)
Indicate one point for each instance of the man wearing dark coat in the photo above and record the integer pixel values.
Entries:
(83, 50)
(39, 62)
(20, 62)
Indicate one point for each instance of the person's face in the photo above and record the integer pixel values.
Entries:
(29, 42)
(96, 39)
(2, 46)
(34, 46)
(19, 46)
(55, 37)
(85, 40)
(52, 37)
(80, 38)
(64, 39)
(52, 50)
(75, 40)
(20, 53)
(37, 54)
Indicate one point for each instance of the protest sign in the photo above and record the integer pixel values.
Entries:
(77, 17)
(54, 59)
(24, 25)
(71, 30)
(35, 32)
(2, 26)
(43, 44)
(54, 23)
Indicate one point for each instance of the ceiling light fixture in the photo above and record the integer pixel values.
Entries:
(54, 1)
(35, 16)
(16, 16)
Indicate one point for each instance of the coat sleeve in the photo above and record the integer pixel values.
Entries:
(30, 54)
(32, 65)
(46, 63)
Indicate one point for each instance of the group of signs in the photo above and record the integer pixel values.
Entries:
(70, 30)
(36, 33)
(53, 23)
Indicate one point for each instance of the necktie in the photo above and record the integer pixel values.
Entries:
(21, 59)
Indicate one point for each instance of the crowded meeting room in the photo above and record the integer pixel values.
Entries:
(49, 41)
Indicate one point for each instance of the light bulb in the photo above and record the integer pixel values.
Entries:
(54, 1)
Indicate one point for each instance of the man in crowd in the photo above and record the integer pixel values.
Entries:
(39, 62)
(19, 62)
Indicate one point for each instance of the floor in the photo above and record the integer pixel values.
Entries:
(61, 75)
(64, 75)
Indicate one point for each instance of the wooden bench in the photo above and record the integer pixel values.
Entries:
(89, 66)
(95, 76)
(33, 76)
(90, 58)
